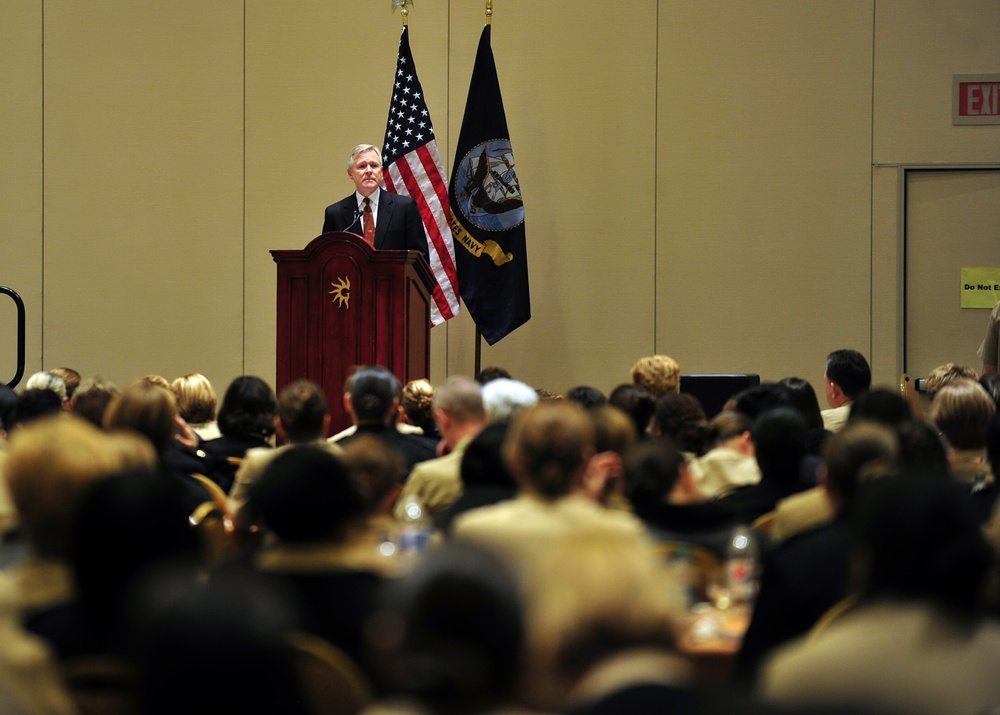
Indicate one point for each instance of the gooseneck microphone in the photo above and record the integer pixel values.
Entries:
(357, 215)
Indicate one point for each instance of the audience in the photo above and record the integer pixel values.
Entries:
(246, 421)
(460, 415)
(92, 397)
(196, 402)
(372, 401)
(302, 417)
(541, 590)
(418, 407)
(917, 641)
(504, 398)
(659, 374)
(637, 403)
(321, 552)
(847, 375)
(807, 574)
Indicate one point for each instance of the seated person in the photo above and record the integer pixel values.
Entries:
(921, 565)
(730, 461)
(372, 401)
(246, 421)
(321, 552)
(806, 575)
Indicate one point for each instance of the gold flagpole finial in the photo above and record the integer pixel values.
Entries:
(489, 12)
(405, 4)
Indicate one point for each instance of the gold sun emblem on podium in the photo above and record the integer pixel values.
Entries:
(341, 292)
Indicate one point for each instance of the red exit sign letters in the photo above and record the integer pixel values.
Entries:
(976, 99)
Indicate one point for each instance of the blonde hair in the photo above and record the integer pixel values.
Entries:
(50, 464)
(660, 374)
(418, 403)
(943, 374)
(961, 410)
(196, 398)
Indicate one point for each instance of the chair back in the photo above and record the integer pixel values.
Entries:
(334, 684)
(100, 685)
(215, 532)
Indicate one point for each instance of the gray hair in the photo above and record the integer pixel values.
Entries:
(47, 381)
(504, 398)
(361, 149)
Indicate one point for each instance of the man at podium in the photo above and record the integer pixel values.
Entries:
(387, 221)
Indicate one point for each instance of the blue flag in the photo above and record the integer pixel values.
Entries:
(487, 211)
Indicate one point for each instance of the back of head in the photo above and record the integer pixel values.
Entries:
(373, 391)
(146, 408)
(613, 430)
(961, 410)
(92, 398)
(489, 374)
(755, 401)
(802, 397)
(129, 526)
(482, 463)
(34, 404)
(302, 410)
(679, 415)
(652, 469)
(637, 402)
(418, 404)
(548, 447)
(462, 399)
(880, 405)
(586, 396)
(919, 539)
(862, 450)
(70, 378)
(47, 381)
(305, 495)
(462, 631)
(194, 641)
(376, 468)
(659, 374)
(725, 426)
(247, 408)
(850, 370)
(504, 399)
(921, 451)
(50, 463)
(779, 438)
(943, 374)
(196, 399)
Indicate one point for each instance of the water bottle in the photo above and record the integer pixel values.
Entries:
(416, 527)
(741, 566)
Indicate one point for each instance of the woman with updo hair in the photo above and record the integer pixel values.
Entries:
(547, 532)
(418, 406)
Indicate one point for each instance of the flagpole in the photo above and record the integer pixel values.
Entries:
(479, 353)
(489, 12)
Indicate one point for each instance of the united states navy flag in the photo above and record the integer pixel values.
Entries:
(487, 211)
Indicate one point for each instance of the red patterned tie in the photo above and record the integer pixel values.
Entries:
(369, 221)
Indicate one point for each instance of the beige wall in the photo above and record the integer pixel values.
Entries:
(713, 180)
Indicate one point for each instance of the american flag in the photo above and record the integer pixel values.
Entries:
(413, 168)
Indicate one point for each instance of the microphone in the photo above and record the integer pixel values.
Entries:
(357, 215)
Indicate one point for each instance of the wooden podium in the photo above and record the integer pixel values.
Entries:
(342, 304)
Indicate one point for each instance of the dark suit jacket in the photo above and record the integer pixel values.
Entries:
(399, 227)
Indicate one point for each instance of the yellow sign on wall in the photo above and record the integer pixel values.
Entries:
(980, 287)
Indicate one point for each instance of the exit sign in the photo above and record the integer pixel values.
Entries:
(975, 99)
